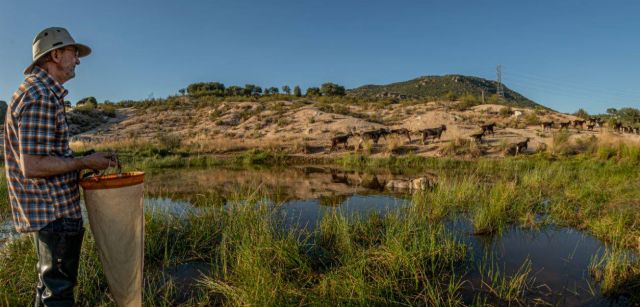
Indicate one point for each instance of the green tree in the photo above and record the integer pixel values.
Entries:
(629, 114)
(581, 113)
(286, 89)
(88, 101)
(296, 91)
(274, 90)
(332, 89)
(182, 91)
(313, 91)
(234, 90)
(252, 90)
(206, 88)
(451, 96)
(612, 111)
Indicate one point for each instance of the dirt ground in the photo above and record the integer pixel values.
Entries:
(307, 128)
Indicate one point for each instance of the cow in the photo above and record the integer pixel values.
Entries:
(488, 128)
(590, 126)
(436, 133)
(402, 131)
(565, 125)
(340, 139)
(547, 125)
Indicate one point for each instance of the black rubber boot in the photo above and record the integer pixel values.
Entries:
(58, 249)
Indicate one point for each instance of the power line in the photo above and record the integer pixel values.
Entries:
(586, 93)
(583, 86)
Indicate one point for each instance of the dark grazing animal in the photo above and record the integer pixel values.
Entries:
(340, 139)
(565, 125)
(436, 133)
(578, 123)
(517, 148)
(590, 126)
(375, 134)
(521, 146)
(617, 126)
(547, 125)
(488, 128)
(402, 131)
(477, 136)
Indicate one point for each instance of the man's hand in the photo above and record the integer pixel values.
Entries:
(99, 160)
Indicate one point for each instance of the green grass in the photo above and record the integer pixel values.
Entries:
(406, 257)
(506, 288)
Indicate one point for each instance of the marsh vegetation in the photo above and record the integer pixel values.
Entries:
(491, 232)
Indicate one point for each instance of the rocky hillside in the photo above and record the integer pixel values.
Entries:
(435, 87)
(307, 127)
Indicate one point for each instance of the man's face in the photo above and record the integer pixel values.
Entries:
(68, 59)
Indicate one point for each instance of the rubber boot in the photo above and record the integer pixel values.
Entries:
(58, 249)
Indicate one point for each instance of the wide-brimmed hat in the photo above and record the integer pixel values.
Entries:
(54, 38)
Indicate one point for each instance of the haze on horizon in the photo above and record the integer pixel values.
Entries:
(565, 55)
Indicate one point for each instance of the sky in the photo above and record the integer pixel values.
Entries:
(563, 54)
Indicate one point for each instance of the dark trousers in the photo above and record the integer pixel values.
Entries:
(58, 249)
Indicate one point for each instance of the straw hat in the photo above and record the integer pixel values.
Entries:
(54, 38)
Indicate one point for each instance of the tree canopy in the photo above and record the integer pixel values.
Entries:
(332, 89)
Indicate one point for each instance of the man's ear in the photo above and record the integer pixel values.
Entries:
(56, 55)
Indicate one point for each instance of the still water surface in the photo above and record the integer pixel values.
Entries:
(559, 256)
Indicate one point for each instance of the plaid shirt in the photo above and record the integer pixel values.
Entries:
(36, 124)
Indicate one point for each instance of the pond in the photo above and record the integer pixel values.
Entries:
(559, 257)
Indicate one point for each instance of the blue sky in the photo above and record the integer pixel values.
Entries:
(563, 54)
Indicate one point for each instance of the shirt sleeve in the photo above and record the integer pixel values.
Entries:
(37, 125)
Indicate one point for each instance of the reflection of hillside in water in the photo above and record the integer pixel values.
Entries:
(284, 184)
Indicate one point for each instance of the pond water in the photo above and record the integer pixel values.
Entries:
(559, 256)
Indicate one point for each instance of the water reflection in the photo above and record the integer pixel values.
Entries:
(559, 257)
(281, 185)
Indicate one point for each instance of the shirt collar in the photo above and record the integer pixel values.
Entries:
(50, 82)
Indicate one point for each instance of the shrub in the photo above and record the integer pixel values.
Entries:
(467, 101)
(170, 142)
(561, 144)
(506, 111)
(462, 147)
(108, 109)
(531, 119)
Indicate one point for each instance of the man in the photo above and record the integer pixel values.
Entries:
(42, 172)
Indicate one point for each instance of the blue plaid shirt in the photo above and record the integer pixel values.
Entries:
(36, 124)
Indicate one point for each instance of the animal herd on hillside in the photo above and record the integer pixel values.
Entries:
(485, 129)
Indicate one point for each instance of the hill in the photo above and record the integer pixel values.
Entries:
(307, 127)
(448, 86)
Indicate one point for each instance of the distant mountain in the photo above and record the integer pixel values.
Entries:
(436, 87)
